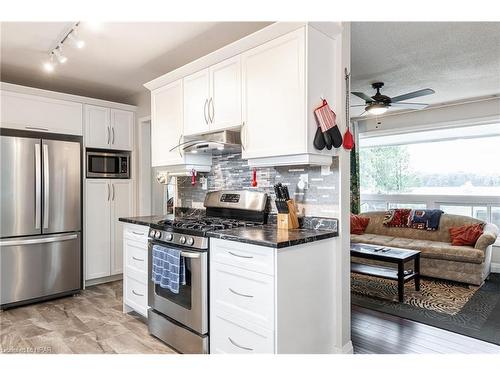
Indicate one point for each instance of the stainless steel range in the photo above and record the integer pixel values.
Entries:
(181, 319)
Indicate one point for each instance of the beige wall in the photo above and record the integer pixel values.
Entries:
(143, 102)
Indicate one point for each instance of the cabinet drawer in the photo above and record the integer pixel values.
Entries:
(233, 337)
(244, 294)
(136, 232)
(136, 259)
(136, 295)
(246, 256)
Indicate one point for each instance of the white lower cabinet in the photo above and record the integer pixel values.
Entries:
(268, 300)
(135, 266)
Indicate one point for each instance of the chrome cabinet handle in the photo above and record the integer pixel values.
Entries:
(138, 233)
(37, 128)
(137, 294)
(241, 136)
(113, 131)
(36, 241)
(178, 145)
(113, 186)
(238, 345)
(139, 259)
(108, 190)
(46, 183)
(107, 139)
(211, 104)
(190, 255)
(205, 106)
(38, 186)
(240, 256)
(239, 294)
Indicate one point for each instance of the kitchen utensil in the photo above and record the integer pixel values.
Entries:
(348, 138)
(288, 220)
(193, 177)
(254, 177)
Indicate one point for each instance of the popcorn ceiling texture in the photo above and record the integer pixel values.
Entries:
(318, 197)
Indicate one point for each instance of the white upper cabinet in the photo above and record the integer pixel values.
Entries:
(38, 113)
(196, 103)
(122, 129)
(274, 98)
(108, 128)
(224, 105)
(97, 128)
(166, 124)
(212, 98)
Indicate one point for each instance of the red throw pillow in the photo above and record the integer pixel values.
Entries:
(359, 224)
(398, 217)
(466, 234)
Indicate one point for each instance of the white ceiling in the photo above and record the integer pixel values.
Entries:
(459, 60)
(118, 58)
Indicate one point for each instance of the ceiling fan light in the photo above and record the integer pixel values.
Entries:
(376, 109)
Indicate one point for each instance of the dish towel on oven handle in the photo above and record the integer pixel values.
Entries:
(168, 268)
(326, 120)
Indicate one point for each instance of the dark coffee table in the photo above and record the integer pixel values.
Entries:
(390, 255)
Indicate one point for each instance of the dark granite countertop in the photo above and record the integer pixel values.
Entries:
(146, 220)
(269, 235)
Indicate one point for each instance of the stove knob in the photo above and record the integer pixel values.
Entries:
(182, 240)
(152, 233)
(169, 237)
(157, 234)
(190, 241)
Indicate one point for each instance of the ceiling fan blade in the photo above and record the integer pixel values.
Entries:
(411, 95)
(363, 96)
(409, 105)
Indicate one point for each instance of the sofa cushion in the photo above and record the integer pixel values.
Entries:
(466, 234)
(358, 224)
(429, 249)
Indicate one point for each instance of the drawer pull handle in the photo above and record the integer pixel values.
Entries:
(240, 294)
(238, 346)
(139, 259)
(138, 233)
(240, 256)
(137, 294)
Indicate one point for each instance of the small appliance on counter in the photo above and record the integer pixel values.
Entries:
(107, 164)
(181, 319)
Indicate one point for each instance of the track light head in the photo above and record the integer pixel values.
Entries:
(59, 55)
(49, 65)
(75, 40)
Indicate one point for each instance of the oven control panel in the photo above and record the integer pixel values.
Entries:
(178, 239)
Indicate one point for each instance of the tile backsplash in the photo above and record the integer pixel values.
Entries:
(315, 189)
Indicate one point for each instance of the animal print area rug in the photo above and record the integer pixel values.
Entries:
(468, 310)
(438, 295)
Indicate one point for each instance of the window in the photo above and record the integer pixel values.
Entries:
(433, 162)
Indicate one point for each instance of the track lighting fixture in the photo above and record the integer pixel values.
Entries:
(57, 52)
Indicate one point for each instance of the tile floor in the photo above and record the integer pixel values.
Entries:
(88, 323)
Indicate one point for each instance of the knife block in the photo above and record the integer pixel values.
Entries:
(288, 220)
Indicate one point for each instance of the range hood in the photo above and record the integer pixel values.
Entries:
(222, 142)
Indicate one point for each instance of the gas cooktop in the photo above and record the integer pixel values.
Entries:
(200, 225)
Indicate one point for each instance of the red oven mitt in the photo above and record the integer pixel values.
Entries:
(326, 118)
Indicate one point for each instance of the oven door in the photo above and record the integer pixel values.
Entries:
(107, 165)
(190, 306)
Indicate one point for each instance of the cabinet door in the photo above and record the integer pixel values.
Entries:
(97, 127)
(274, 97)
(225, 94)
(166, 124)
(122, 129)
(196, 95)
(121, 206)
(97, 228)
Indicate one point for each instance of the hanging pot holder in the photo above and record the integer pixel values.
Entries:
(326, 118)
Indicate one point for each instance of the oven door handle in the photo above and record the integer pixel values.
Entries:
(190, 255)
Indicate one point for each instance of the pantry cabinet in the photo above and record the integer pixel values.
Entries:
(259, 304)
(108, 128)
(212, 98)
(106, 201)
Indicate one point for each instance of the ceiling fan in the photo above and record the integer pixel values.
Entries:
(379, 103)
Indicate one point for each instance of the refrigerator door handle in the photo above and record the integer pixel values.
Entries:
(35, 241)
(38, 186)
(46, 179)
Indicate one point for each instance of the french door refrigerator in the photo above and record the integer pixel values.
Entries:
(40, 223)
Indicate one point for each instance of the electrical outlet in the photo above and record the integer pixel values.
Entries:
(204, 183)
(303, 181)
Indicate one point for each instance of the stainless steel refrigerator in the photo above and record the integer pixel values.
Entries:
(41, 216)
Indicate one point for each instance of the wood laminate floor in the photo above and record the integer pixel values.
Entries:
(91, 322)
(374, 332)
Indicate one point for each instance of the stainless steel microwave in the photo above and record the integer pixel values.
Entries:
(108, 164)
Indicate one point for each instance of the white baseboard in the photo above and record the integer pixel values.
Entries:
(495, 267)
(346, 349)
